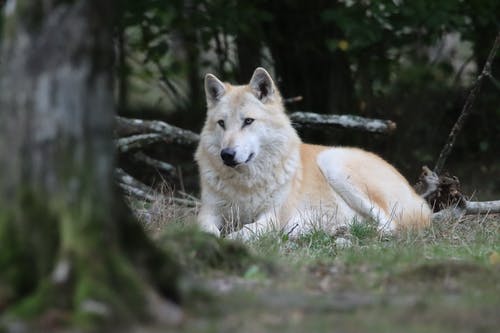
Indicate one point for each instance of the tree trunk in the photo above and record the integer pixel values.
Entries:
(65, 242)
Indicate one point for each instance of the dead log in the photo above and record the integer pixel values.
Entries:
(480, 207)
(138, 141)
(169, 133)
(347, 121)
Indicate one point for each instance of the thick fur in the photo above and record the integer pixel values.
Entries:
(279, 183)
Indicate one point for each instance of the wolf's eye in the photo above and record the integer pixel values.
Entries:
(221, 123)
(247, 121)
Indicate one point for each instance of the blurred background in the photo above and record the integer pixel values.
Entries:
(412, 62)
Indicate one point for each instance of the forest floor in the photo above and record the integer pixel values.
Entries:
(446, 279)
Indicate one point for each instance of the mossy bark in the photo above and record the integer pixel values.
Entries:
(66, 241)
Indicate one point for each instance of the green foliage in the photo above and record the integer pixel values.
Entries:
(318, 243)
(168, 38)
(363, 230)
(395, 23)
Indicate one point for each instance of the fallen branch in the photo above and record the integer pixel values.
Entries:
(157, 164)
(466, 110)
(443, 192)
(134, 187)
(141, 191)
(291, 100)
(136, 192)
(480, 207)
(138, 141)
(347, 121)
(169, 133)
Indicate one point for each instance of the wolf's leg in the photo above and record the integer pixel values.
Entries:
(331, 163)
(209, 220)
(264, 224)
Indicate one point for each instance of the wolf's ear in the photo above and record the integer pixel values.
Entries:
(214, 89)
(262, 84)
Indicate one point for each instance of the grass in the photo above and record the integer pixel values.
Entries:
(443, 279)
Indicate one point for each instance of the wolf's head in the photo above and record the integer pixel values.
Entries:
(245, 123)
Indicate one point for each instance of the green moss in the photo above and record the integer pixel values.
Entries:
(116, 289)
(36, 303)
(36, 233)
(160, 267)
(29, 243)
(198, 251)
(14, 262)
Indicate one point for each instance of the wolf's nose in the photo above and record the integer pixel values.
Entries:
(227, 155)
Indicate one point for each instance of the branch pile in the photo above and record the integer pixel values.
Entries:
(443, 192)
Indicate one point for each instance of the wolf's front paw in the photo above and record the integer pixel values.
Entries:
(211, 229)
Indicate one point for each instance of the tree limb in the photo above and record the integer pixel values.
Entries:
(143, 192)
(291, 100)
(134, 187)
(466, 110)
(138, 141)
(169, 133)
(347, 121)
(481, 207)
(157, 164)
(136, 192)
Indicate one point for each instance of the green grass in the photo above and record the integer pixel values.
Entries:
(444, 279)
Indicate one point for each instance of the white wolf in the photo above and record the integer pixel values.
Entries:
(257, 175)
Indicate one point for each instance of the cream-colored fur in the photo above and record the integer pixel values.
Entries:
(275, 182)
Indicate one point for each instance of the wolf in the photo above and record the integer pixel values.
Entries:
(257, 176)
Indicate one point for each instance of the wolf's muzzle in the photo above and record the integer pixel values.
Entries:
(228, 155)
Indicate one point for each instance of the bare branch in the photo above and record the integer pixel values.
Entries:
(466, 110)
(139, 141)
(124, 178)
(291, 100)
(169, 133)
(347, 121)
(141, 191)
(136, 192)
(157, 164)
(482, 207)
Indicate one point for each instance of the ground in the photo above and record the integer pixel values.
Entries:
(445, 279)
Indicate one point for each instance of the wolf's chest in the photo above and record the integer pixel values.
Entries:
(243, 208)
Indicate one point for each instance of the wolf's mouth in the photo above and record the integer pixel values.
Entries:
(249, 158)
(233, 163)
